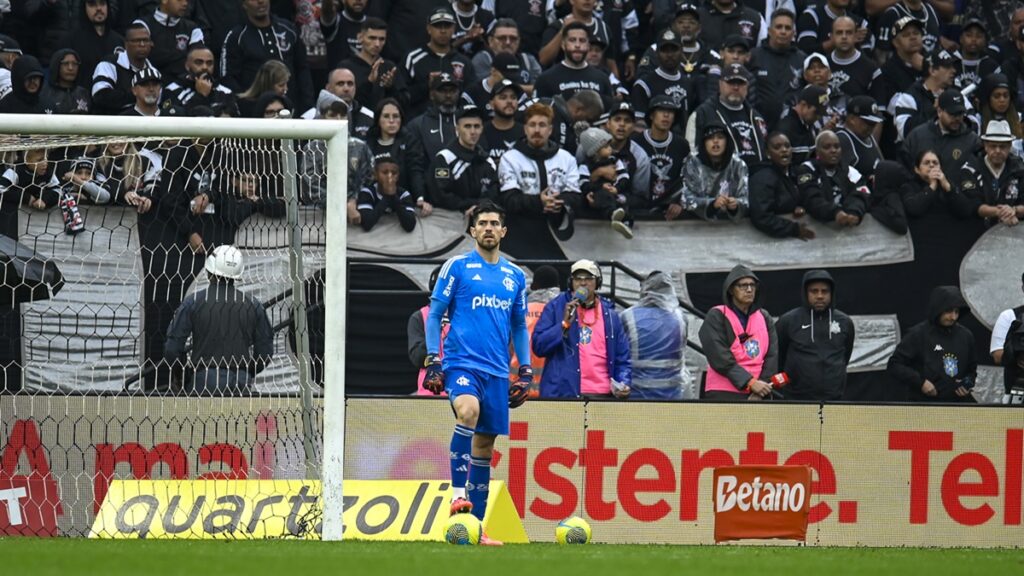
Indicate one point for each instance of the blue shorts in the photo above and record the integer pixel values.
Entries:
(491, 391)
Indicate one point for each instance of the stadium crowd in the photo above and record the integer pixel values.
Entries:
(623, 111)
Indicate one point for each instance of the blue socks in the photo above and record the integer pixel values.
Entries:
(478, 486)
(458, 454)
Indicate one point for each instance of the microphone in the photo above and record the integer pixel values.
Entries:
(777, 382)
(580, 296)
(780, 380)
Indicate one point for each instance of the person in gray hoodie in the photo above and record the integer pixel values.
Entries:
(815, 342)
(739, 342)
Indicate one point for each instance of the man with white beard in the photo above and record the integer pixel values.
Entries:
(146, 88)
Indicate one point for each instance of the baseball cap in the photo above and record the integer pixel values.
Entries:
(906, 22)
(815, 96)
(733, 40)
(941, 58)
(713, 127)
(952, 102)
(87, 163)
(687, 8)
(507, 64)
(663, 102)
(973, 22)
(443, 79)
(147, 74)
(622, 108)
(864, 107)
(816, 57)
(441, 16)
(588, 266)
(384, 158)
(669, 38)
(736, 71)
(10, 45)
(470, 111)
(506, 84)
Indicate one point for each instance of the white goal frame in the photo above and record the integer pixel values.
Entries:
(336, 134)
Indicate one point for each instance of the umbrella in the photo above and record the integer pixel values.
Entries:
(24, 275)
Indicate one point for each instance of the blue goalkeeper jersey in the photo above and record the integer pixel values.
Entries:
(483, 302)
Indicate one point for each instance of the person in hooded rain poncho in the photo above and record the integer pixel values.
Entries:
(715, 179)
(656, 327)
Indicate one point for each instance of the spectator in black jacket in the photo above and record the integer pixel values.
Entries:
(385, 197)
(776, 64)
(461, 173)
(38, 25)
(376, 78)
(62, 93)
(199, 86)
(437, 56)
(773, 193)
(996, 195)
(953, 141)
(408, 17)
(265, 37)
(830, 190)
(936, 360)
(216, 19)
(91, 37)
(931, 191)
(26, 85)
(388, 136)
(340, 23)
(172, 35)
(435, 128)
(815, 342)
(856, 135)
(722, 18)
(800, 122)
(112, 79)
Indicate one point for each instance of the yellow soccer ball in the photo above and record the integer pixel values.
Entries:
(464, 529)
(573, 530)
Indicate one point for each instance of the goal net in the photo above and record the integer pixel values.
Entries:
(162, 313)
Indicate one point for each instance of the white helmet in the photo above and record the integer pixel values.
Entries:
(225, 261)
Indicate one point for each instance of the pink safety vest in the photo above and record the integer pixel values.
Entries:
(749, 354)
(420, 390)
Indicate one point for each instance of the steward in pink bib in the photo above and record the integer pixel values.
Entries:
(739, 342)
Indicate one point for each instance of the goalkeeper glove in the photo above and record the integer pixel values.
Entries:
(434, 378)
(519, 390)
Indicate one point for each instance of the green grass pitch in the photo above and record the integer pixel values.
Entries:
(64, 557)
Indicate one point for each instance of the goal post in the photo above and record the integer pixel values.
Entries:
(26, 130)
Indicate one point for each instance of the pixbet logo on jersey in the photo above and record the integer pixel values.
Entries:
(492, 301)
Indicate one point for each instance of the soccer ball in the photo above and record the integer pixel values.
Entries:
(573, 530)
(463, 529)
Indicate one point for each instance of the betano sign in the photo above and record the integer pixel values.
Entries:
(639, 472)
(761, 502)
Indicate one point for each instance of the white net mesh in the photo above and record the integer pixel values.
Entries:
(103, 239)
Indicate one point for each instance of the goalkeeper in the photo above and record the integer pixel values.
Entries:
(485, 298)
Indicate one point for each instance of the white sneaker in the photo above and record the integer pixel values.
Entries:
(622, 228)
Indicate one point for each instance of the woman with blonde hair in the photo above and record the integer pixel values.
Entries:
(273, 76)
